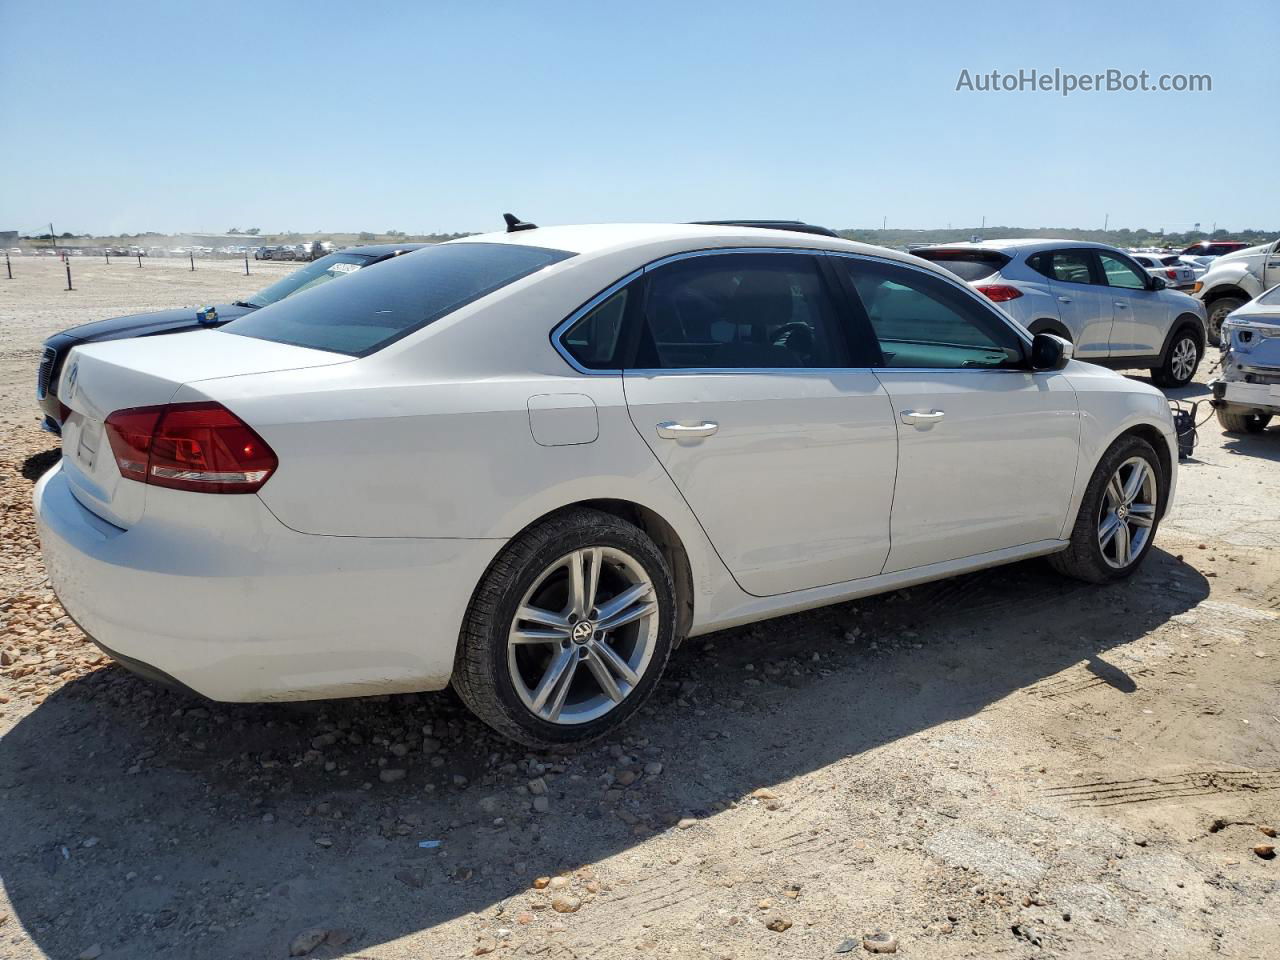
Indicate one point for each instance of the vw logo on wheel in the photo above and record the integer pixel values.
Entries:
(582, 631)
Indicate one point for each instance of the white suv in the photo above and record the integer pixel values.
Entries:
(528, 464)
(1113, 312)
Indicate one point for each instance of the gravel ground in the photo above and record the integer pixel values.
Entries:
(1002, 765)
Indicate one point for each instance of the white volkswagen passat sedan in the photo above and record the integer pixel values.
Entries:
(529, 463)
(1112, 310)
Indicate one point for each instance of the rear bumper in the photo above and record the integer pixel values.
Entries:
(217, 595)
(1260, 397)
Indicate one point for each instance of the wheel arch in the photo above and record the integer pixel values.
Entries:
(1182, 322)
(1226, 290)
(1152, 435)
(662, 533)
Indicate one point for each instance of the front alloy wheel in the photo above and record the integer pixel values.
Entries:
(1182, 362)
(568, 631)
(1127, 512)
(583, 635)
(1119, 514)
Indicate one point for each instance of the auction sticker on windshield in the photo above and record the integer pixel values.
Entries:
(344, 267)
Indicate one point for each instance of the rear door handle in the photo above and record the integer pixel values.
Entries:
(1122, 305)
(925, 419)
(1064, 299)
(671, 430)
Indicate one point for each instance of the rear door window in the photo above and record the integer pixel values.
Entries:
(740, 311)
(373, 308)
(1070, 266)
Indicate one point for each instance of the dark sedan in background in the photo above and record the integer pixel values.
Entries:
(182, 320)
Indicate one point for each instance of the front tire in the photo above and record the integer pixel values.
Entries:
(1118, 517)
(568, 631)
(1180, 360)
(1218, 311)
(1242, 422)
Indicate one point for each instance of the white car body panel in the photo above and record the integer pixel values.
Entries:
(1013, 436)
(403, 473)
(786, 440)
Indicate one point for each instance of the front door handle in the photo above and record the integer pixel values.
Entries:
(671, 430)
(922, 419)
(1122, 305)
(1064, 299)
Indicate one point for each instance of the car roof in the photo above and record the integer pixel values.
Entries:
(1022, 245)
(598, 239)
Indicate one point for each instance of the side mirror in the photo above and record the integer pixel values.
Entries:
(1157, 283)
(1049, 352)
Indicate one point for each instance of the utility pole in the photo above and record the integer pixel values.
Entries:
(53, 242)
(1106, 220)
(884, 223)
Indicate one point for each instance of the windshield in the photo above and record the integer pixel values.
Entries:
(312, 275)
(377, 307)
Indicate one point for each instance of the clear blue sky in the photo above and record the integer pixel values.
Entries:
(361, 115)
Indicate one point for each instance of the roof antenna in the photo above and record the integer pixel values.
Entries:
(515, 224)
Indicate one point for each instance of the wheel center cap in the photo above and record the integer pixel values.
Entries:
(1122, 511)
(583, 631)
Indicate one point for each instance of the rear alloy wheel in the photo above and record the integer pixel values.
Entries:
(1218, 311)
(1242, 422)
(1118, 516)
(568, 632)
(1180, 361)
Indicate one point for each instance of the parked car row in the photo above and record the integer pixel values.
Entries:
(528, 464)
(297, 251)
(55, 348)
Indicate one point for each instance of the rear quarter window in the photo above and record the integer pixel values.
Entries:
(382, 303)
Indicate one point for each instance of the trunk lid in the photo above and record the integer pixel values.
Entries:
(98, 379)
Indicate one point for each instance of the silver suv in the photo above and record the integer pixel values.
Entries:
(1112, 310)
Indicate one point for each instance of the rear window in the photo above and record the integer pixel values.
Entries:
(968, 265)
(378, 306)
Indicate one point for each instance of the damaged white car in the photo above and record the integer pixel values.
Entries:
(1234, 279)
(1247, 394)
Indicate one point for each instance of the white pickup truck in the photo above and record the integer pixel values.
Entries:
(1234, 279)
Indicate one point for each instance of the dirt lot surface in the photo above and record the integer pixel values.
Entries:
(1003, 765)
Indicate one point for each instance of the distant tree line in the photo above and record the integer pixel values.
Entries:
(1123, 237)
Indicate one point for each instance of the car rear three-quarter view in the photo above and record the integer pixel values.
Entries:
(529, 464)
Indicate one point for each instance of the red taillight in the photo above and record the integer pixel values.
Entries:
(1171, 273)
(202, 447)
(999, 292)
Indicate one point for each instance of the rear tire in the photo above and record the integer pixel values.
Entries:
(1180, 361)
(1218, 311)
(1242, 422)
(537, 660)
(1118, 517)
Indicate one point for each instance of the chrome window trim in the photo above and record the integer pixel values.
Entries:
(566, 324)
